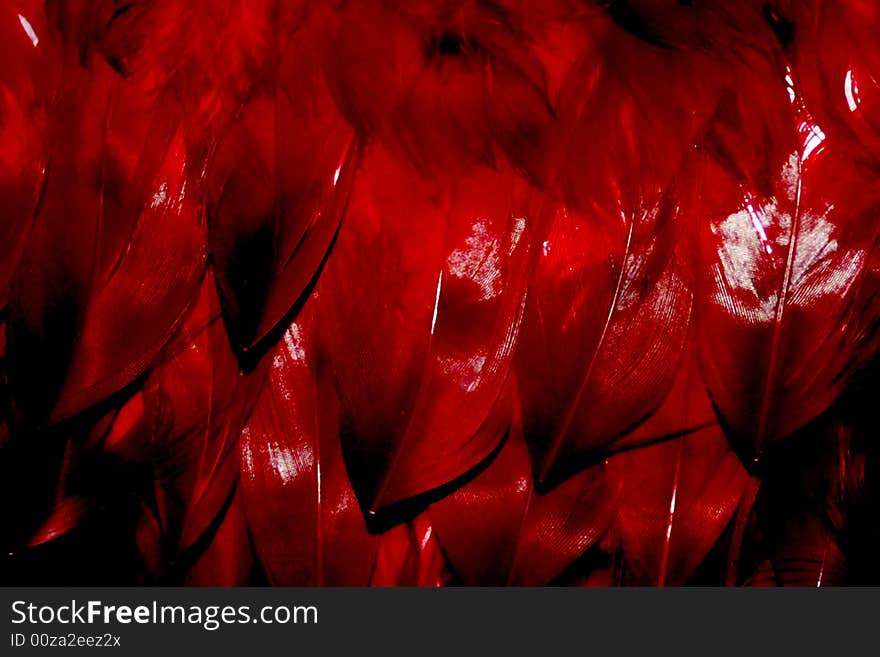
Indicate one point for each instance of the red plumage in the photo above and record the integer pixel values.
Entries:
(419, 309)
(456, 293)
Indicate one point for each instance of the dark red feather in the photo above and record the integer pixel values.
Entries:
(444, 292)
(676, 498)
(420, 307)
(278, 185)
(307, 526)
(116, 251)
(442, 83)
(182, 436)
(302, 512)
(609, 309)
(499, 530)
(26, 79)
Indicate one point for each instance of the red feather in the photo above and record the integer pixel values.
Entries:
(228, 559)
(116, 250)
(716, 25)
(604, 332)
(278, 186)
(420, 306)
(302, 512)
(499, 530)
(550, 272)
(26, 80)
(410, 555)
(837, 59)
(185, 437)
(610, 305)
(805, 553)
(786, 303)
(442, 82)
(676, 498)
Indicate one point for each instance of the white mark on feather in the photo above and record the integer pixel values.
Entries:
(789, 84)
(758, 224)
(820, 268)
(423, 543)
(283, 461)
(478, 261)
(671, 512)
(468, 372)
(851, 91)
(29, 30)
(436, 302)
(293, 341)
(813, 138)
(519, 226)
(160, 196)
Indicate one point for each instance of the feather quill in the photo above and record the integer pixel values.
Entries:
(610, 304)
(676, 498)
(786, 303)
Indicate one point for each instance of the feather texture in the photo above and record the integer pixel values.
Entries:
(306, 524)
(278, 185)
(182, 437)
(676, 498)
(445, 292)
(838, 67)
(441, 83)
(499, 530)
(118, 214)
(610, 305)
(227, 560)
(786, 300)
(25, 84)
(302, 512)
(421, 303)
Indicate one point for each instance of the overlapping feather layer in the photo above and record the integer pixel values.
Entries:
(453, 292)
